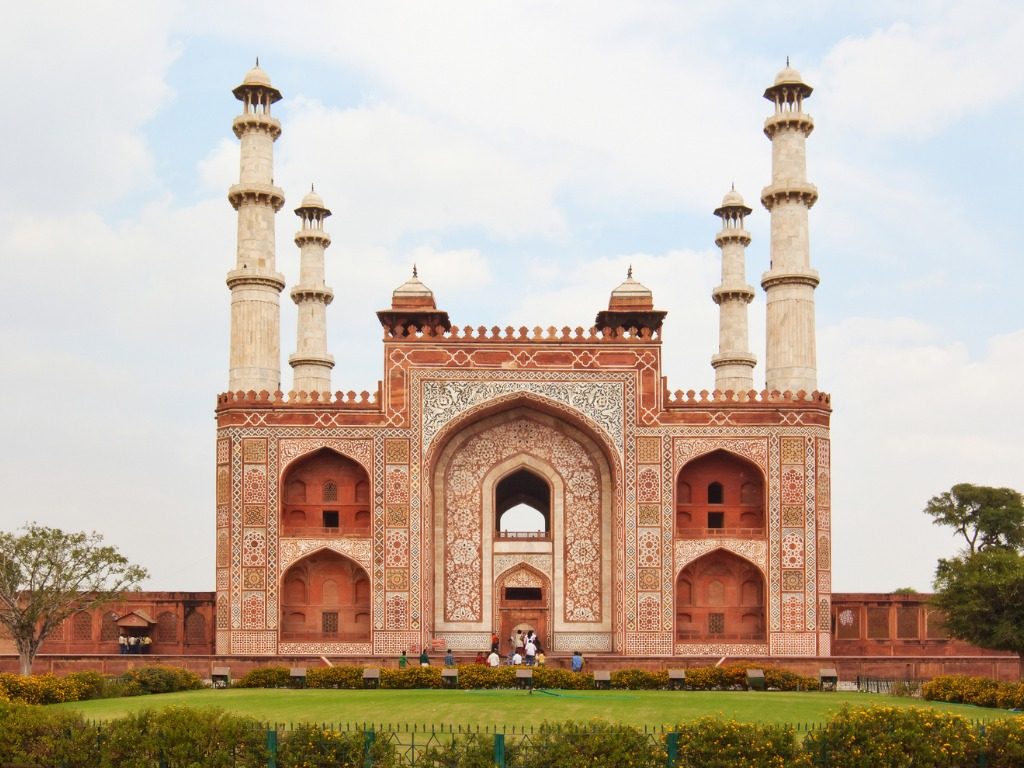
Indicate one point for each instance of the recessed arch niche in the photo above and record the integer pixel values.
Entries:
(720, 598)
(720, 493)
(325, 493)
(325, 597)
(564, 472)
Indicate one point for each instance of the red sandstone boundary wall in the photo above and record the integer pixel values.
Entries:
(849, 667)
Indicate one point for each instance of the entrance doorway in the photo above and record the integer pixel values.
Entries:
(523, 604)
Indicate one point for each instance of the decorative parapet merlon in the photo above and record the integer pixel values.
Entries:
(680, 399)
(519, 335)
(363, 401)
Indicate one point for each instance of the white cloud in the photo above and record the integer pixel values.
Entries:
(77, 97)
(914, 414)
(913, 79)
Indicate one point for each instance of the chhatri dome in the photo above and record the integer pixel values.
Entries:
(631, 294)
(413, 294)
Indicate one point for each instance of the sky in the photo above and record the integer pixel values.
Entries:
(523, 155)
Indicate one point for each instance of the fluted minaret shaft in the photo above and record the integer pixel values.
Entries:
(790, 353)
(255, 358)
(311, 365)
(734, 363)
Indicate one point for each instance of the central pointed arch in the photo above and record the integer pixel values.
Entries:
(510, 456)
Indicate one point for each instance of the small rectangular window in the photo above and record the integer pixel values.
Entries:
(716, 520)
(330, 622)
(523, 593)
(330, 519)
(716, 623)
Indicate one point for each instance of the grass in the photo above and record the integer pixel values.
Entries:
(507, 708)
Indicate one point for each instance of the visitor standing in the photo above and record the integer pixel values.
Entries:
(424, 659)
(493, 660)
(531, 652)
(449, 659)
(403, 660)
(577, 661)
(122, 643)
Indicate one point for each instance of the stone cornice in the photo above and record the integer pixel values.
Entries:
(327, 361)
(774, 277)
(246, 277)
(312, 237)
(733, 358)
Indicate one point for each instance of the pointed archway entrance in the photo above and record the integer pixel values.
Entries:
(523, 600)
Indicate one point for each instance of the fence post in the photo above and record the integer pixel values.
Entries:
(368, 738)
(499, 750)
(672, 749)
(983, 752)
(271, 748)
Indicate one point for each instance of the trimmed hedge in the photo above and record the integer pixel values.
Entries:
(476, 676)
(980, 691)
(77, 686)
(875, 737)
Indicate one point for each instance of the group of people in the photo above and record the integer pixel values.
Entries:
(524, 649)
(134, 644)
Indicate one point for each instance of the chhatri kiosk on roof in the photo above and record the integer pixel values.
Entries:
(665, 524)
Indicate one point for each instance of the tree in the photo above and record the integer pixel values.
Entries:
(982, 595)
(47, 574)
(985, 517)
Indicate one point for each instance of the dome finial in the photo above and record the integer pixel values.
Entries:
(312, 187)
(257, 61)
(414, 273)
(787, 61)
(629, 272)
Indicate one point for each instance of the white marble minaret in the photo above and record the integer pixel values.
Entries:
(734, 363)
(789, 283)
(311, 364)
(255, 360)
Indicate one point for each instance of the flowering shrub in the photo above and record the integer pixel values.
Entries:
(892, 737)
(41, 689)
(713, 743)
(589, 745)
(478, 676)
(1004, 743)
(979, 691)
(31, 735)
(334, 677)
(158, 680)
(411, 677)
(266, 677)
(313, 745)
(639, 680)
(183, 736)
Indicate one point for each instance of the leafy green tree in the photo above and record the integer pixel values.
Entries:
(47, 574)
(985, 517)
(982, 595)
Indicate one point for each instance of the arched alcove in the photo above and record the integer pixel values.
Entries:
(325, 597)
(720, 599)
(522, 505)
(325, 494)
(720, 494)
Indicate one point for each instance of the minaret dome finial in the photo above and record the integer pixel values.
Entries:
(629, 272)
(414, 273)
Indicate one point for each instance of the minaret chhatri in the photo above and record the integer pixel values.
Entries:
(789, 283)
(311, 364)
(255, 360)
(734, 363)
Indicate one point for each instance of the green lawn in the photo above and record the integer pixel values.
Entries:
(506, 708)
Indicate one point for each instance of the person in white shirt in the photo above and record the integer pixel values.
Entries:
(531, 652)
(517, 659)
(494, 659)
